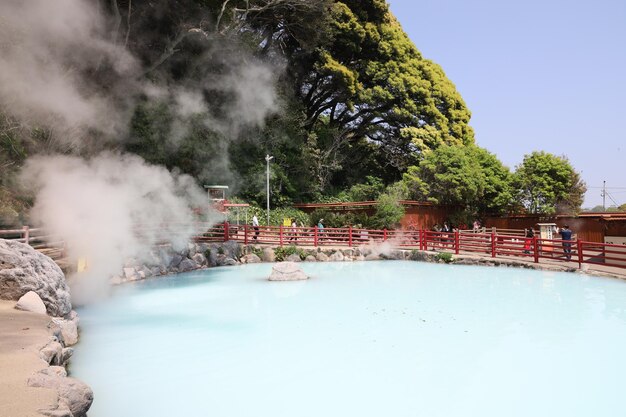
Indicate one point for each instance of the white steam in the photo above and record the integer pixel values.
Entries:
(46, 48)
(110, 208)
(60, 68)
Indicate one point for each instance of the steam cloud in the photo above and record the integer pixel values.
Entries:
(60, 68)
(109, 208)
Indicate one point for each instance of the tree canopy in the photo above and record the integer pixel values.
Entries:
(547, 183)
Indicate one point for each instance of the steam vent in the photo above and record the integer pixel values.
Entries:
(287, 271)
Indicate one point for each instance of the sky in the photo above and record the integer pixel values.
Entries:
(537, 75)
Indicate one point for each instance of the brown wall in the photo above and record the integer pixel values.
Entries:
(590, 229)
(423, 217)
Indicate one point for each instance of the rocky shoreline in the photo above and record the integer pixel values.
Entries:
(166, 261)
(39, 288)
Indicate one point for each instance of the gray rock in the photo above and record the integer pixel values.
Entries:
(130, 273)
(359, 258)
(155, 270)
(287, 271)
(269, 255)
(293, 258)
(147, 272)
(372, 257)
(187, 265)
(250, 258)
(191, 249)
(23, 269)
(175, 261)
(68, 330)
(116, 280)
(199, 259)
(310, 258)
(52, 352)
(59, 371)
(76, 395)
(31, 302)
(232, 249)
(230, 261)
(336, 257)
(66, 354)
(348, 252)
(322, 257)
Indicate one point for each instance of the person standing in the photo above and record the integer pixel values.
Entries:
(294, 231)
(255, 226)
(528, 240)
(476, 226)
(566, 237)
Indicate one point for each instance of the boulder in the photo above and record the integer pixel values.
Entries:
(74, 394)
(322, 257)
(175, 261)
(191, 249)
(68, 330)
(250, 258)
(187, 265)
(23, 269)
(269, 255)
(130, 273)
(199, 259)
(287, 271)
(293, 258)
(372, 257)
(52, 352)
(232, 249)
(230, 261)
(31, 302)
(336, 257)
(310, 258)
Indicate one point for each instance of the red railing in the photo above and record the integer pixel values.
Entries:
(491, 244)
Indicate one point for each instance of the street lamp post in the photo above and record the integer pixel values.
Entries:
(268, 159)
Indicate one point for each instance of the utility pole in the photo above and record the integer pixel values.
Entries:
(268, 158)
(603, 195)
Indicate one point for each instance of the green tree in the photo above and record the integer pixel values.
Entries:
(546, 183)
(469, 177)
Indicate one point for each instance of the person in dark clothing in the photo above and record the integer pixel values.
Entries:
(566, 237)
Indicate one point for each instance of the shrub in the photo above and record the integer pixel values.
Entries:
(283, 252)
(445, 257)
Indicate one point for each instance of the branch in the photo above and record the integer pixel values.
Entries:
(171, 48)
(118, 19)
(130, 2)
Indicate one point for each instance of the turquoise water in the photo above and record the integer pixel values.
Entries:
(358, 339)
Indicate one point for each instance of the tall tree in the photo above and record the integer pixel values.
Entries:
(546, 183)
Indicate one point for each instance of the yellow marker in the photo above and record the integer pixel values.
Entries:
(82, 265)
(286, 222)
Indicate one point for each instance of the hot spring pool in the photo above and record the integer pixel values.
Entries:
(357, 340)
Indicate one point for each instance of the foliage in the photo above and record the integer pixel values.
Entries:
(547, 183)
(277, 216)
(469, 177)
(444, 257)
(388, 212)
(283, 252)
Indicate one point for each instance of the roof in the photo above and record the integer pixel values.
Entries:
(350, 204)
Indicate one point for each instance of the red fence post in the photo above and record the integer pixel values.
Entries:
(493, 245)
(281, 234)
(245, 234)
(314, 235)
(226, 232)
(579, 246)
(456, 241)
(350, 236)
(26, 233)
(384, 235)
(420, 238)
(535, 249)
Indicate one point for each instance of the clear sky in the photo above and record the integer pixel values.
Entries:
(537, 75)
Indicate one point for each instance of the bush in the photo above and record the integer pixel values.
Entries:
(283, 252)
(445, 257)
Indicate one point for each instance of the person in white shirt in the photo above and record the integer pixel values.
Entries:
(255, 225)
